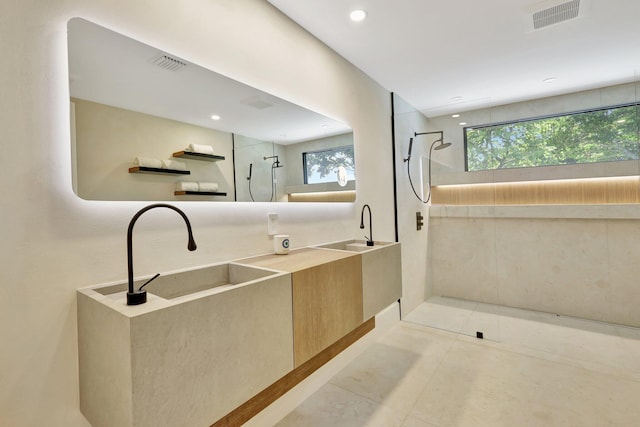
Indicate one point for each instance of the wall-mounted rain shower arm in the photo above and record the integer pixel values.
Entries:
(439, 132)
(276, 162)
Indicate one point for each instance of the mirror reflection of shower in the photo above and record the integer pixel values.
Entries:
(274, 165)
(269, 171)
(249, 179)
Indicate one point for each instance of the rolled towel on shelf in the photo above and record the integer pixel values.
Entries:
(187, 186)
(200, 148)
(147, 162)
(174, 165)
(208, 187)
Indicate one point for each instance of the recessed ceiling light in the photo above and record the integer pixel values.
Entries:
(358, 15)
(455, 116)
(463, 123)
(549, 80)
(215, 117)
(456, 99)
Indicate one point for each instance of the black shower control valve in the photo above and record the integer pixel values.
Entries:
(419, 221)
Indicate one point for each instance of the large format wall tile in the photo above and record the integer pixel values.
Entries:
(624, 270)
(463, 258)
(586, 268)
(554, 265)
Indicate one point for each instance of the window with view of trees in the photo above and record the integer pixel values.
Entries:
(602, 135)
(321, 166)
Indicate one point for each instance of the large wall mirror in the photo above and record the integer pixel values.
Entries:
(149, 125)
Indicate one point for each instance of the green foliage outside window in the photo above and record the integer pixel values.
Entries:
(321, 166)
(603, 135)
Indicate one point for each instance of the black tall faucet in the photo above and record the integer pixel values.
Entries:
(135, 297)
(370, 238)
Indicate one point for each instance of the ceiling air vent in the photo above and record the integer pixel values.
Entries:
(560, 12)
(168, 63)
(257, 103)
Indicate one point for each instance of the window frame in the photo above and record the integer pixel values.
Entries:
(543, 117)
(305, 175)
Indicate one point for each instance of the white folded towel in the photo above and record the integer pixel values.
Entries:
(187, 186)
(209, 187)
(148, 162)
(200, 148)
(174, 164)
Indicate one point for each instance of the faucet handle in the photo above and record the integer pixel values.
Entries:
(148, 281)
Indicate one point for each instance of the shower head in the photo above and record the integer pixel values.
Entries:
(276, 162)
(442, 145)
(440, 140)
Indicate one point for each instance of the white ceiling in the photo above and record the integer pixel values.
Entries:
(485, 51)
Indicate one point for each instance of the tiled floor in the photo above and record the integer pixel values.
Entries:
(531, 369)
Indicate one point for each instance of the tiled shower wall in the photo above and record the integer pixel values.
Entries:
(587, 268)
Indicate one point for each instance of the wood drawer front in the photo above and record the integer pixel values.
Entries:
(327, 305)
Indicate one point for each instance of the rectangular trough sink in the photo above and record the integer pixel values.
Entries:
(177, 284)
(353, 245)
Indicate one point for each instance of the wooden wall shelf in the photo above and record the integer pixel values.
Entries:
(198, 156)
(144, 169)
(198, 193)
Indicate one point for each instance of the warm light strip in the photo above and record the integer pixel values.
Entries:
(609, 190)
(323, 196)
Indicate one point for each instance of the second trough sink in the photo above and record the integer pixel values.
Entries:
(381, 272)
(354, 245)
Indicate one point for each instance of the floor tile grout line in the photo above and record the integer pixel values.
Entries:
(554, 357)
(430, 379)
(440, 361)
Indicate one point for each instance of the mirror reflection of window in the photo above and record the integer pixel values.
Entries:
(331, 165)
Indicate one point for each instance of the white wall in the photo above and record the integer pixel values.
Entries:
(109, 138)
(53, 242)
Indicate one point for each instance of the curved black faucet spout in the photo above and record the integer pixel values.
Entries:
(370, 238)
(135, 297)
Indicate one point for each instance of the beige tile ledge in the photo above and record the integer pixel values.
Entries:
(629, 211)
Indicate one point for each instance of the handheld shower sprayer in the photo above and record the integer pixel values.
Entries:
(250, 171)
(410, 147)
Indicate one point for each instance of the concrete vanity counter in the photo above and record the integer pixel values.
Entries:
(215, 344)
